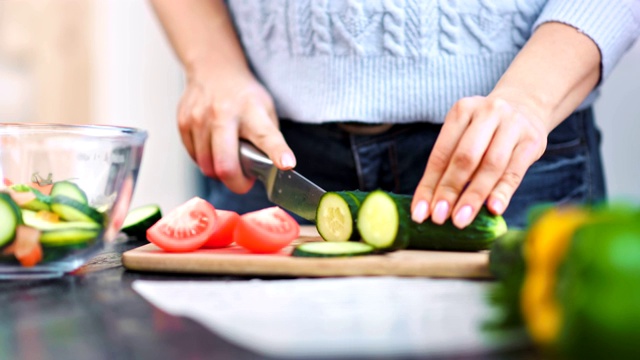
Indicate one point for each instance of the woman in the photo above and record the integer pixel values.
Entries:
(460, 103)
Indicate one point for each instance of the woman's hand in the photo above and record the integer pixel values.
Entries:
(217, 109)
(482, 153)
(487, 143)
(223, 101)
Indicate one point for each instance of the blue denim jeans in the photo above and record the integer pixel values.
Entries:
(570, 171)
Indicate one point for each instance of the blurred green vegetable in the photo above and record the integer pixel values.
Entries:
(572, 279)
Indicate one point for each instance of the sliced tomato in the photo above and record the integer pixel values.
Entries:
(7, 182)
(185, 228)
(266, 231)
(223, 235)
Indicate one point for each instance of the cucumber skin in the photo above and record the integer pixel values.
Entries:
(139, 229)
(17, 217)
(479, 235)
(353, 199)
(88, 211)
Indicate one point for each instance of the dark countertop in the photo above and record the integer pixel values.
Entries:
(95, 314)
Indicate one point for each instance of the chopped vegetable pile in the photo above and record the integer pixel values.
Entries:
(45, 222)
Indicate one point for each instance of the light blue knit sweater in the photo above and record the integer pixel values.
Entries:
(406, 60)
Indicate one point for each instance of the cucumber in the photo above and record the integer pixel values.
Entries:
(72, 210)
(384, 222)
(69, 190)
(337, 213)
(10, 218)
(140, 219)
(332, 249)
(61, 233)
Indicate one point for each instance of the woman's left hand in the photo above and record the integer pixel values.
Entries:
(482, 153)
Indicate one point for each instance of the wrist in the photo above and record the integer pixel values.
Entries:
(534, 107)
(209, 64)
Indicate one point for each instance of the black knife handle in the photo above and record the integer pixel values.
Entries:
(254, 162)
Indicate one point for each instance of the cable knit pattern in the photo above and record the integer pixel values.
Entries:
(394, 26)
(320, 23)
(405, 60)
(450, 26)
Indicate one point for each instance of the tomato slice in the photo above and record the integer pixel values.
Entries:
(186, 227)
(266, 231)
(223, 235)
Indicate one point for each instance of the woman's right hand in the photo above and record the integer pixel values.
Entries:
(219, 107)
(222, 101)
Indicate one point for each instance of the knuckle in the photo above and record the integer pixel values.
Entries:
(462, 107)
(184, 125)
(438, 159)
(474, 197)
(463, 160)
(498, 105)
(449, 190)
(225, 169)
(495, 161)
(425, 190)
(511, 179)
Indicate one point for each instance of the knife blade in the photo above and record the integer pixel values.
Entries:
(287, 189)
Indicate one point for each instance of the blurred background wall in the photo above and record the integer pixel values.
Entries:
(106, 61)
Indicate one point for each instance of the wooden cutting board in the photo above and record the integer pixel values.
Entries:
(234, 260)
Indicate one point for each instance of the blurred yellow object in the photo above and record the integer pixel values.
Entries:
(546, 244)
(48, 216)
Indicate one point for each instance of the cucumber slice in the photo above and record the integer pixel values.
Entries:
(332, 249)
(65, 237)
(69, 190)
(379, 221)
(73, 210)
(10, 218)
(337, 213)
(61, 233)
(140, 219)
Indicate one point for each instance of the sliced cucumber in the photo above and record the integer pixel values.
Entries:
(332, 249)
(379, 221)
(61, 233)
(73, 210)
(140, 219)
(69, 190)
(10, 218)
(337, 213)
(65, 237)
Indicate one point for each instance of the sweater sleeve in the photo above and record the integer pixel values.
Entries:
(613, 25)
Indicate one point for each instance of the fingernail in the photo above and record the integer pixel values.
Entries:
(288, 160)
(440, 212)
(463, 217)
(497, 207)
(420, 212)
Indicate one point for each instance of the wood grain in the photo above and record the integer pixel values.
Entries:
(237, 261)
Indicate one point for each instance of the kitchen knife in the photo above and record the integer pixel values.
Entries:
(287, 189)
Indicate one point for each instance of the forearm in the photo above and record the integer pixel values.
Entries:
(552, 74)
(202, 34)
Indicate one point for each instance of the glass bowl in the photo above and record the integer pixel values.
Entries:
(71, 183)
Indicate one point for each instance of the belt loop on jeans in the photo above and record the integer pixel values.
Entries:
(364, 128)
